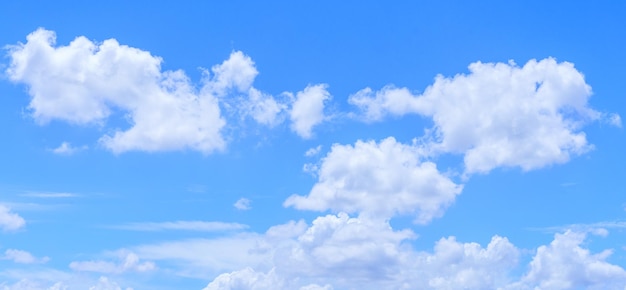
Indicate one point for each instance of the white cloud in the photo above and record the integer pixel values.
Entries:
(316, 287)
(201, 226)
(263, 108)
(218, 254)
(22, 257)
(308, 109)
(242, 204)
(389, 100)
(498, 114)
(564, 264)
(455, 265)
(85, 82)
(615, 120)
(127, 262)
(67, 149)
(10, 221)
(105, 284)
(348, 253)
(379, 179)
(337, 247)
(49, 194)
(238, 73)
(246, 279)
(360, 253)
(313, 151)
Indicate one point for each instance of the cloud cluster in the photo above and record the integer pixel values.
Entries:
(341, 252)
(87, 82)
(499, 114)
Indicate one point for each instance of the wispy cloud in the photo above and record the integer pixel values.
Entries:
(22, 257)
(49, 194)
(595, 228)
(200, 226)
(67, 149)
(313, 151)
(126, 262)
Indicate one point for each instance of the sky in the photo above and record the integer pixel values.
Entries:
(312, 145)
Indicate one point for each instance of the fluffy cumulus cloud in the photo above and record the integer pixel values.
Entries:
(337, 247)
(379, 179)
(333, 248)
(10, 221)
(308, 109)
(389, 100)
(564, 264)
(499, 114)
(456, 265)
(340, 252)
(87, 83)
(246, 279)
(127, 262)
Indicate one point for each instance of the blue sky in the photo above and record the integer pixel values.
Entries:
(312, 145)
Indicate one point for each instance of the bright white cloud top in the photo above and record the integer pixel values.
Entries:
(498, 114)
(334, 155)
(379, 180)
(86, 82)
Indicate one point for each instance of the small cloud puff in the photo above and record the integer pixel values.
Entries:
(313, 151)
(242, 204)
(67, 149)
(10, 221)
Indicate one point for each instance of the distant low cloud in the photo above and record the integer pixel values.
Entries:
(10, 221)
(126, 262)
(342, 252)
(22, 257)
